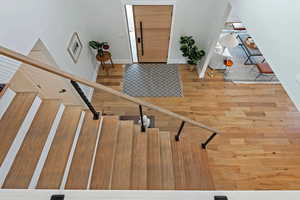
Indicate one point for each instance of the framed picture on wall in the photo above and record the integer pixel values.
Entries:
(75, 47)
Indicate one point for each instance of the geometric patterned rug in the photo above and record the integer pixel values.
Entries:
(152, 80)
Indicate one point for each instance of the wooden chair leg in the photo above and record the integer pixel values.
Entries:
(102, 64)
(112, 64)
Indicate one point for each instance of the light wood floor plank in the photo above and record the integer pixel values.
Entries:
(178, 165)
(57, 158)
(23, 168)
(154, 176)
(168, 179)
(123, 159)
(82, 160)
(13, 119)
(259, 127)
(139, 161)
(103, 168)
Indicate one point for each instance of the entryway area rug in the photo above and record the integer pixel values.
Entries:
(152, 80)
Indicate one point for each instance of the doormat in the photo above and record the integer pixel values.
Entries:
(152, 80)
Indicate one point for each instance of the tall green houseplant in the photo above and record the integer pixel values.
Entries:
(191, 51)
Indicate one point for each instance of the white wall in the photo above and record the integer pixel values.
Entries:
(217, 20)
(53, 21)
(197, 18)
(275, 28)
(106, 20)
(233, 16)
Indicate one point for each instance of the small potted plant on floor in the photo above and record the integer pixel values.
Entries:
(191, 51)
(101, 47)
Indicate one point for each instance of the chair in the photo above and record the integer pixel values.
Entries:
(264, 70)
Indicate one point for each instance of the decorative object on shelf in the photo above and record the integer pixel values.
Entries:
(75, 47)
(101, 47)
(103, 55)
(228, 63)
(191, 51)
(250, 43)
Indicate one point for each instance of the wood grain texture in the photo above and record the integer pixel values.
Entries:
(23, 168)
(154, 31)
(58, 155)
(154, 175)
(168, 178)
(139, 161)
(123, 159)
(105, 155)
(83, 156)
(260, 141)
(2, 92)
(52, 69)
(12, 120)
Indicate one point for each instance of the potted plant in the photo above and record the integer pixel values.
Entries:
(191, 51)
(101, 47)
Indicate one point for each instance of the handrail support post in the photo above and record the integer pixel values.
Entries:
(177, 137)
(85, 99)
(143, 128)
(204, 145)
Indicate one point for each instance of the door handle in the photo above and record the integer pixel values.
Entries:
(139, 40)
(142, 37)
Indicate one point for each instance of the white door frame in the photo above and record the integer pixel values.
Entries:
(150, 2)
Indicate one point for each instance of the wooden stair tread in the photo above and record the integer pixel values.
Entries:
(178, 165)
(82, 160)
(154, 177)
(102, 173)
(57, 158)
(191, 167)
(13, 119)
(139, 161)
(23, 168)
(122, 165)
(168, 179)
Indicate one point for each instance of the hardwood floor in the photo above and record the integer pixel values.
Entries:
(259, 144)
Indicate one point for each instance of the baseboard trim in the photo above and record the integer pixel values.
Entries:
(177, 61)
(122, 61)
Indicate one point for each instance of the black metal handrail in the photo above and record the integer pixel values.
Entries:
(85, 99)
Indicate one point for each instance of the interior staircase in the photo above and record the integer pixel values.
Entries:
(47, 145)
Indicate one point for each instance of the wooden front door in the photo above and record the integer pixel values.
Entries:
(152, 27)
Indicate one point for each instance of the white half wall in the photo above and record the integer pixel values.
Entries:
(54, 22)
(147, 195)
(275, 27)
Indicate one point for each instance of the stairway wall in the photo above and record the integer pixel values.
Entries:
(54, 22)
(8, 68)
